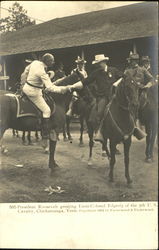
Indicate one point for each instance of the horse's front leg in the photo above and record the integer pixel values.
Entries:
(68, 121)
(81, 131)
(64, 133)
(29, 138)
(112, 160)
(127, 145)
(52, 148)
(23, 138)
(37, 135)
(148, 140)
(105, 151)
(152, 141)
(91, 144)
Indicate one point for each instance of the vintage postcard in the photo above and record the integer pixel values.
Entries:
(78, 124)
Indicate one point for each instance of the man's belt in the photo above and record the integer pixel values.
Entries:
(38, 87)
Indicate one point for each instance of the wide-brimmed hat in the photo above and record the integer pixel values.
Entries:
(80, 60)
(100, 58)
(133, 56)
(145, 58)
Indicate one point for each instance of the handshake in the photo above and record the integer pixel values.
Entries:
(70, 88)
(65, 89)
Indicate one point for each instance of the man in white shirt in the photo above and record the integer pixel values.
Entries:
(80, 70)
(34, 79)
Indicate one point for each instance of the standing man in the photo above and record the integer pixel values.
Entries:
(145, 61)
(103, 78)
(80, 70)
(35, 79)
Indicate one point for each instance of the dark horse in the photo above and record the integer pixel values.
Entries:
(148, 116)
(9, 120)
(8, 108)
(118, 122)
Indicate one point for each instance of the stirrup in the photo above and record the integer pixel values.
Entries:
(139, 134)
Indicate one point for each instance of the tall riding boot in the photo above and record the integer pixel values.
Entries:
(45, 131)
(99, 136)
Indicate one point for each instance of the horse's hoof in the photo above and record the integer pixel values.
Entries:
(70, 138)
(104, 154)
(56, 165)
(46, 150)
(65, 139)
(90, 163)
(25, 143)
(111, 179)
(81, 144)
(31, 144)
(148, 160)
(129, 183)
(52, 170)
(117, 152)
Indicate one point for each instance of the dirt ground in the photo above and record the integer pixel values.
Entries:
(80, 182)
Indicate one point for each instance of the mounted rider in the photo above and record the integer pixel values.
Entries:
(142, 77)
(140, 74)
(35, 78)
(102, 79)
(80, 70)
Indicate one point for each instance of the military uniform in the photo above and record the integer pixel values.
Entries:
(140, 74)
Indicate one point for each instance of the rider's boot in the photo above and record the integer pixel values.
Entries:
(138, 133)
(45, 131)
(99, 135)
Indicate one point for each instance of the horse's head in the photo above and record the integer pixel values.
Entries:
(131, 90)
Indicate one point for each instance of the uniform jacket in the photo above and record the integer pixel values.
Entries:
(103, 80)
(140, 75)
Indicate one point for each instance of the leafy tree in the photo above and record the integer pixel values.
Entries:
(17, 19)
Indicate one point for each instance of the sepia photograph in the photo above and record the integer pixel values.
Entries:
(79, 111)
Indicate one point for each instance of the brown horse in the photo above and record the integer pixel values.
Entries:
(118, 121)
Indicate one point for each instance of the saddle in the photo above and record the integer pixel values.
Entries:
(25, 107)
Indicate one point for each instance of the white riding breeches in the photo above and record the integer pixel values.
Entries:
(42, 105)
(37, 98)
